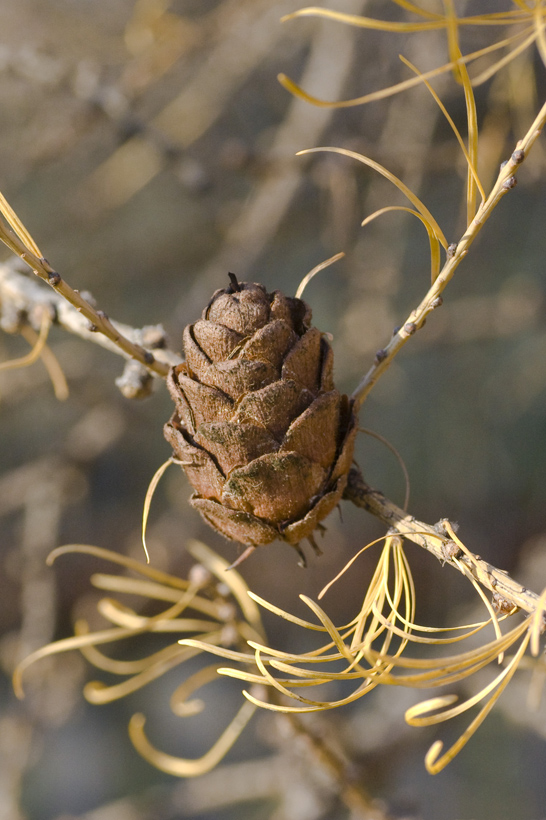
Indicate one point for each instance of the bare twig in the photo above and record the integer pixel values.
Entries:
(506, 180)
(97, 319)
(351, 791)
(22, 296)
(436, 540)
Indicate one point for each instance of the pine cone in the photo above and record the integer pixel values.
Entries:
(263, 435)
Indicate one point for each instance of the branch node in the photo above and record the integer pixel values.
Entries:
(518, 156)
(136, 382)
(148, 357)
(440, 527)
(451, 550)
(54, 279)
(502, 605)
(509, 183)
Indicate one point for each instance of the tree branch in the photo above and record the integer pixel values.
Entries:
(507, 593)
(506, 180)
(23, 298)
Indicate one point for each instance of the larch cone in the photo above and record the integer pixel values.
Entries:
(263, 435)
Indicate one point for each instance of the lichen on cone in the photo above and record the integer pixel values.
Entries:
(263, 435)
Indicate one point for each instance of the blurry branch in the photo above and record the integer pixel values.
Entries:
(351, 791)
(328, 66)
(22, 298)
(248, 32)
(439, 541)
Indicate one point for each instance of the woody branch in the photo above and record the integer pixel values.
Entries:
(97, 321)
(24, 298)
(506, 180)
(436, 539)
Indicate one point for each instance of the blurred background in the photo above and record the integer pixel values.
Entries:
(149, 149)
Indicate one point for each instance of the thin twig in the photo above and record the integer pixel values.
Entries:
(98, 321)
(21, 296)
(506, 180)
(351, 791)
(437, 541)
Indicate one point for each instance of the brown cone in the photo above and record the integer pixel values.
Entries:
(263, 435)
